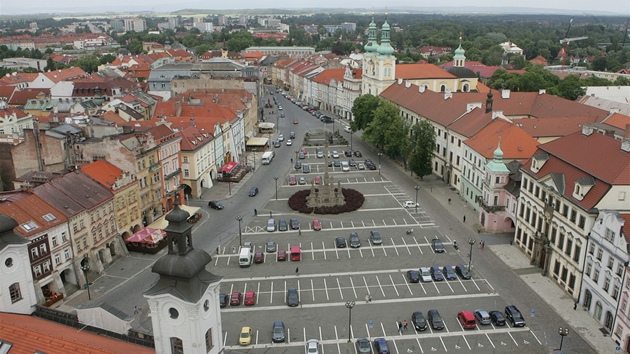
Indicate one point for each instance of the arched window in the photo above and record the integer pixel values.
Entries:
(442, 88)
(15, 293)
(209, 344)
(598, 311)
(588, 297)
(608, 321)
(177, 346)
(466, 88)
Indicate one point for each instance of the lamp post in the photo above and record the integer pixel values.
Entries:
(276, 179)
(296, 152)
(229, 188)
(563, 332)
(471, 242)
(379, 162)
(240, 235)
(349, 306)
(85, 266)
(416, 188)
(351, 134)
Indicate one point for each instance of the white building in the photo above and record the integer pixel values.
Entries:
(135, 25)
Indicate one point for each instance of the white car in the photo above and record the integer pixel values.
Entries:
(280, 107)
(335, 154)
(347, 129)
(281, 137)
(425, 274)
(289, 142)
(345, 167)
(312, 346)
(409, 204)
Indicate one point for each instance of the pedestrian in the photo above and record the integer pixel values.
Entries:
(233, 249)
(483, 244)
(449, 200)
(291, 160)
(297, 271)
(270, 214)
(367, 298)
(300, 232)
(464, 219)
(575, 305)
(405, 325)
(255, 212)
(135, 310)
(400, 327)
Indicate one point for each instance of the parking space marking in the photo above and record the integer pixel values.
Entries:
(490, 340)
(405, 243)
(406, 283)
(313, 290)
(225, 339)
(321, 338)
(465, 340)
(380, 286)
(436, 288)
(383, 329)
(535, 337)
(271, 295)
(394, 285)
(340, 289)
(326, 290)
(324, 247)
(449, 285)
(367, 330)
(442, 340)
(419, 345)
(354, 290)
(423, 290)
(337, 338)
(514, 340)
(367, 288)
(395, 248)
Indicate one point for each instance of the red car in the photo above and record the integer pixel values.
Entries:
(282, 256)
(292, 180)
(235, 298)
(317, 225)
(295, 121)
(259, 257)
(318, 179)
(250, 298)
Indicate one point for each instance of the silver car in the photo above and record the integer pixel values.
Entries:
(271, 225)
(482, 317)
(312, 346)
(425, 274)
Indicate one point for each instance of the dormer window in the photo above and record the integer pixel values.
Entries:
(538, 161)
(582, 186)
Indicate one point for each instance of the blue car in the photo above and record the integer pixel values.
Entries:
(380, 346)
(449, 272)
(436, 273)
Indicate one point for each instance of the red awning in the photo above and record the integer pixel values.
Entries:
(147, 235)
(228, 167)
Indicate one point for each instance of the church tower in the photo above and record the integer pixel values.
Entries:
(459, 59)
(466, 79)
(497, 176)
(184, 301)
(386, 62)
(369, 60)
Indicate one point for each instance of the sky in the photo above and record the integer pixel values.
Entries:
(586, 7)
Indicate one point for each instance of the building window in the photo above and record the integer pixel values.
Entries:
(209, 344)
(619, 269)
(609, 235)
(572, 281)
(591, 249)
(600, 252)
(581, 222)
(615, 293)
(556, 268)
(611, 262)
(15, 293)
(588, 269)
(57, 259)
(177, 346)
(54, 241)
(564, 274)
(567, 250)
(606, 283)
(576, 254)
(34, 253)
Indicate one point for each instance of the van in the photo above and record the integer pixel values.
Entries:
(245, 257)
(267, 157)
(467, 319)
(278, 331)
(296, 253)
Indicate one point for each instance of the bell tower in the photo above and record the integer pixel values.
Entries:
(184, 301)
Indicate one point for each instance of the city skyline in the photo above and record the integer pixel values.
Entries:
(613, 7)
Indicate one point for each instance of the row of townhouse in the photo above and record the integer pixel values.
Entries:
(532, 164)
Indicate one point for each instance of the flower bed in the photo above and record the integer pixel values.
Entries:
(354, 200)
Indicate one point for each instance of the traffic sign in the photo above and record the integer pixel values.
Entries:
(371, 324)
(533, 312)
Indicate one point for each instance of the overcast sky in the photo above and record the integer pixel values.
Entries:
(9, 7)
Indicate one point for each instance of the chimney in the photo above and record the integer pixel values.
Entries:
(505, 93)
(407, 84)
(542, 91)
(421, 88)
(178, 107)
(447, 94)
(192, 122)
(498, 114)
(471, 106)
(625, 141)
(489, 103)
(587, 130)
(400, 81)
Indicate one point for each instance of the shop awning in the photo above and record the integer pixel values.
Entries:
(228, 167)
(257, 142)
(161, 222)
(147, 235)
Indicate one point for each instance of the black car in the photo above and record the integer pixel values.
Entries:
(253, 191)
(348, 153)
(215, 205)
(336, 163)
(352, 163)
(298, 165)
(437, 245)
(293, 299)
(418, 320)
(515, 316)
(294, 223)
(330, 163)
(354, 242)
(435, 319)
(413, 276)
(462, 271)
(370, 166)
(497, 318)
(436, 273)
(292, 135)
(282, 225)
(340, 242)
(224, 299)
(357, 153)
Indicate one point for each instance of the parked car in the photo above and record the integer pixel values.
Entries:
(318, 180)
(302, 180)
(413, 276)
(449, 273)
(293, 299)
(436, 273)
(435, 319)
(253, 192)
(335, 154)
(259, 257)
(312, 346)
(515, 316)
(278, 332)
(298, 165)
(352, 163)
(224, 299)
(271, 225)
(409, 204)
(363, 346)
(213, 204)
(336, 163)
(357, 153)
(497, 318)
(425, 274)
(301, 155)
(361, 166)
(292, 180)
(306, 168)
(380, 346)
(348, 153)
(354, 242)
(466, 319)
(270, 247)
(483, 317)
(282, 225)
(249, 245)
(340, 242)
(376, 238)
(245, 338)
(235, 298)
(437, 245)
(317, 225)
(250, 298)
(418, 321)
(462, 271)
(282, 256)
(294, 224)
(281, 137)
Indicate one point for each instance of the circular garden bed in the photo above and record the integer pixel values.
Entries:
(354, 200)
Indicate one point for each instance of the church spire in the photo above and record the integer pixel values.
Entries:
(459, 58)
(385, 48)
(371, 44)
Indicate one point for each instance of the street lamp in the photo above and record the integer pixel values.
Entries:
(416, 188)
(240, 235)
(379, 162)
(276, 179)
(351, 133)
(563, 332)
(85, 266)
(296, 152)
(349, 306)
(471, 242)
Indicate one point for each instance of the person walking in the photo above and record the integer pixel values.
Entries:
(135, 310)
(300, 232)
(367, 298)
(464, 219)
(297, 271)
(270, 214)
(255, 212)
(400, 327)
(405, 325)
(449, 201)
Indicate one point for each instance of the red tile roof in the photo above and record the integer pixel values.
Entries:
(11, 79)
(327, 75)
(102, 172)
(65, 74)
(30, 207)
(516, 144)
(20, 97)
(618, 120)
(421, 71)
(31, 334)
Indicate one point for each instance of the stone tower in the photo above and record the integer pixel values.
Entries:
(184, 302)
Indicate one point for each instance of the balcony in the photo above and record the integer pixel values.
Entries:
(173, 174)
(488, 208)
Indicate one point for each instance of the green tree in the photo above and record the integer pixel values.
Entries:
(376, 131)
(50, 65)
(423, 145)
(89, 64)
(107, 58)
(363, 111)
(240, 41)
(397, 144)
(570, 88)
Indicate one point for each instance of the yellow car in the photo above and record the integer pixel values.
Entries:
(246, 336)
